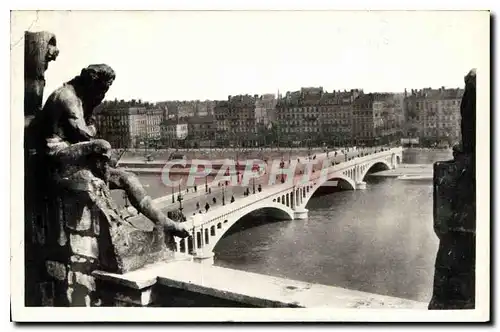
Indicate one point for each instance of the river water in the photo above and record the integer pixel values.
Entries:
(378, 240)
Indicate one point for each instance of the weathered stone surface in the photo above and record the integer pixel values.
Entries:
(47, 294)
(84, 245)
(135, 248)
(39, 49)
(454, 197)
(78, 259)
(56, 270)
(118, 295)
(121, 246)
(85, 280)
(468, 113)
(77, 212)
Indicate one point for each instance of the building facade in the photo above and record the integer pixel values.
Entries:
(175, 133)
(235, 122)
(265, 109)
(377, 118)
(201, 131)
(129, 126)
(313, 116)
(221, 114)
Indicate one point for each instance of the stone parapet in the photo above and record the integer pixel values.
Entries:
(183, 283)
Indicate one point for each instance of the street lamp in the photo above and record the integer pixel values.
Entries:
(179, 199)
(223, 195)
(125, 197)
(173, 195)
(253, 183)
(282, 165)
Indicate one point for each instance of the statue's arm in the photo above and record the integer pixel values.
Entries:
(77, 129)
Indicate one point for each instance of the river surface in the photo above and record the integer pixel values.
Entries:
(378, 240)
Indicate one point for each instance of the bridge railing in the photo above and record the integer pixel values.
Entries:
(347, 165)
(210, 216)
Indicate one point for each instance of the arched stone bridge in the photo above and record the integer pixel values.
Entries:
(287, 201)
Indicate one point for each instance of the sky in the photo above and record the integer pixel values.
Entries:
(181, 55)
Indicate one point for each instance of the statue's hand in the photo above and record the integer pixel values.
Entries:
(175, 228)
(181, 231)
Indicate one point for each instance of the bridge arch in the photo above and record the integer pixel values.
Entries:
(277, 210)
(382, 165)
(345, 182)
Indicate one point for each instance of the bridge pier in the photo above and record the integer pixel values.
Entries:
(205, 258)
(361, 185)
(300, 213)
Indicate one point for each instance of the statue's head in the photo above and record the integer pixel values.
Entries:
(95, 81)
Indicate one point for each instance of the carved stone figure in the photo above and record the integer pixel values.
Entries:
(63, 132)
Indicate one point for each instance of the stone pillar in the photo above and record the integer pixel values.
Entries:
(455, 216)
(39, 50)
(195, 240)
(360, 185)
(203, 257)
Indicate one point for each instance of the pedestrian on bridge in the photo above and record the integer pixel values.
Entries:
(197, 205)
(214, 200)
(232, 199)
(259, 188)
(207, 206)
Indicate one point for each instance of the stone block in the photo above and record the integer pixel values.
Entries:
(80, 213)
(56, 270)
(118, 295)
(454, 196)
(85, 280)
(84, 245)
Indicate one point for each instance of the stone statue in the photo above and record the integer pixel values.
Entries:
(63, 133)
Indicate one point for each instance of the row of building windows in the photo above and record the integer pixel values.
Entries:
(448, 102)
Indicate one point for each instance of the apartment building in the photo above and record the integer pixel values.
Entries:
(434, 115)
